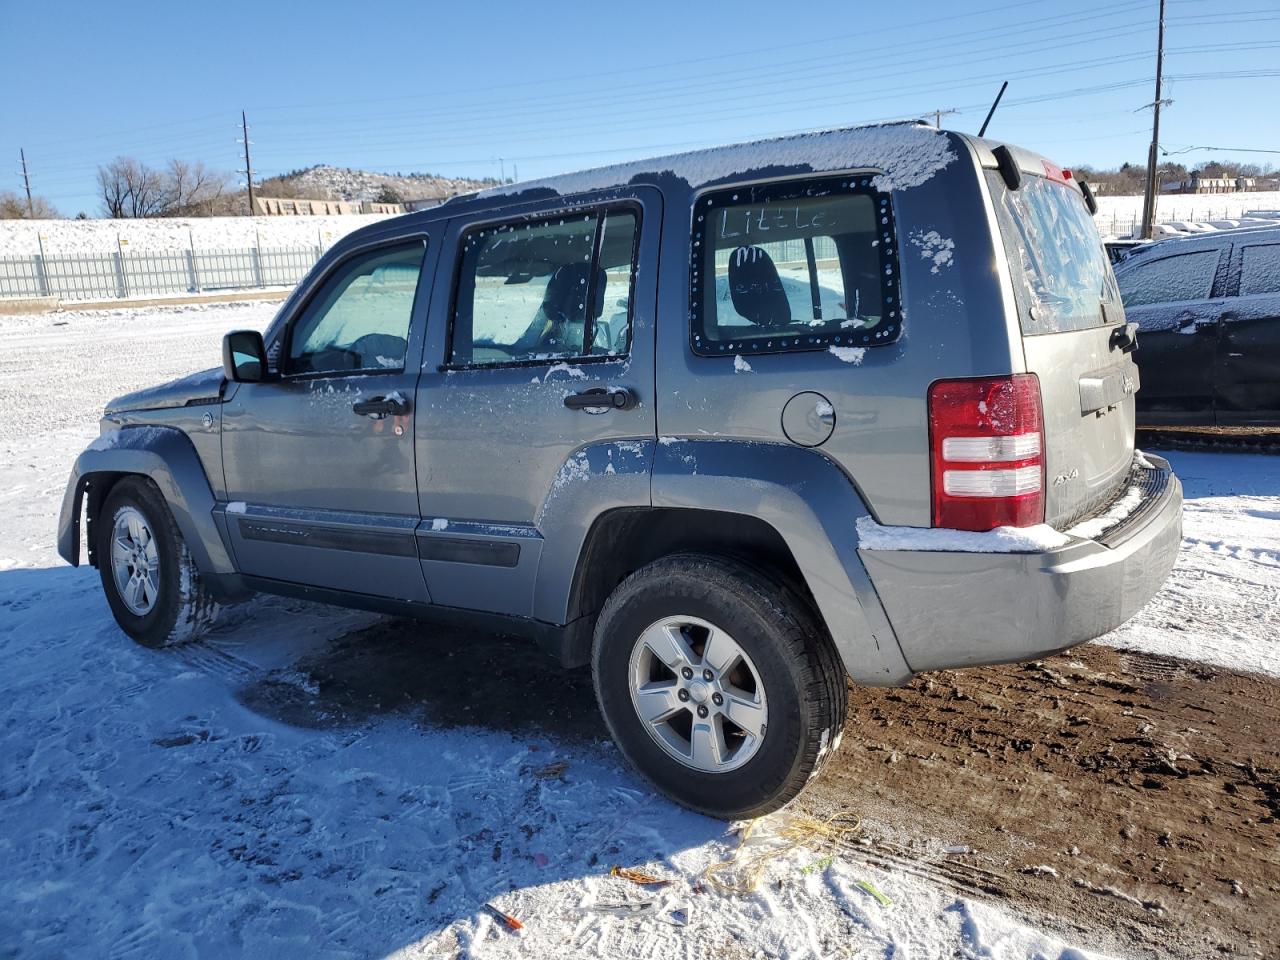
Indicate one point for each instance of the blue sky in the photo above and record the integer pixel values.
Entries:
(549, 87)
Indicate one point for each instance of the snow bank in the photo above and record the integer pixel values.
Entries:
(875, 536)
(22, 238)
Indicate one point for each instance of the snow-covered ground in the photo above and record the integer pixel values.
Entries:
(1115, 212)
(23, 238)
(148, 808)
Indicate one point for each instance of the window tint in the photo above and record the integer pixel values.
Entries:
(359, 320)
(524, 289)
(1186, 276)
(1260, 269)
(793, 267)
(1060, 268)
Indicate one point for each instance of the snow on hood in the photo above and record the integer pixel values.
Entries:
(908, 155)
(205, 385)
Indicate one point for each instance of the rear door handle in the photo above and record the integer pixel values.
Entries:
(379, 407)
(598, 398)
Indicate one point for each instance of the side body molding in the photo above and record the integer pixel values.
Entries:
(814, 507)
(164, 454)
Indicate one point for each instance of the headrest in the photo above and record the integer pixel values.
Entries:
(756, 288)
(568, 287)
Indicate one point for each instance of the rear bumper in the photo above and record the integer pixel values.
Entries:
(964, 609)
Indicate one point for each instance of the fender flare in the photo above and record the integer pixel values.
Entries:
(814, 506)
(167, 457)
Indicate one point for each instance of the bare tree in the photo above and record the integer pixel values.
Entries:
(192, 188)
(14, 207)
(129, 188)
(112, 189)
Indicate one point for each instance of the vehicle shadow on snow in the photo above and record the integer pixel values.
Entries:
(438, 676)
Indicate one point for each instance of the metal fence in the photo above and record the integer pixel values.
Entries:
(123, 274)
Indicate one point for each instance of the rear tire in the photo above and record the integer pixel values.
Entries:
(758, 662)
(151, 582)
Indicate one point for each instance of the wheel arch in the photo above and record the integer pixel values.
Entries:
(784, 509)
(164, 455)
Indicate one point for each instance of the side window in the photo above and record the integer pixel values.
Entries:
(359, 319)
(1260, 269)
(1186, 276)
(793, 266)
(553, 288)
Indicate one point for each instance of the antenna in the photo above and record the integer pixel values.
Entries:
(990, 113)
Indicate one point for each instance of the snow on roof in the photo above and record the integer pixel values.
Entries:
(908, 154)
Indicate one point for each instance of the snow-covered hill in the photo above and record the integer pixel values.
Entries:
(343, 183)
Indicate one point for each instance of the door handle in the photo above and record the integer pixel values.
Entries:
(597, 398)
(378, 407)
(1125, 338)
(1206, 326)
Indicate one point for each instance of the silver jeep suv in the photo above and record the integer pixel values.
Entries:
(729, 426)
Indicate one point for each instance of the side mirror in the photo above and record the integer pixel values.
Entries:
(244, 356)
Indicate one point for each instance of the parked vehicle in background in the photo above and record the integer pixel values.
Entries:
(667, 419)
(1208, 315)
(1117, 250)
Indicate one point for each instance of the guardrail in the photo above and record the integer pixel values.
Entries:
(124, 274)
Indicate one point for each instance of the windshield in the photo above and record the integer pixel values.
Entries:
(1061, 272)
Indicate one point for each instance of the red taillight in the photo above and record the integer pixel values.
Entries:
(986, 440)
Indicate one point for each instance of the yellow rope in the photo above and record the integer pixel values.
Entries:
(743, 875)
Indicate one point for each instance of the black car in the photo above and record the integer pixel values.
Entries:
(1208, 314)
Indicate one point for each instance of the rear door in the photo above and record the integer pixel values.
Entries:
(1248, 369)
(1172, 299)
(1072, 323)
(541, 311)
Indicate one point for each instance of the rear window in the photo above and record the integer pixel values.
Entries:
(1061, 272)
(1260, 269)
(793, 266)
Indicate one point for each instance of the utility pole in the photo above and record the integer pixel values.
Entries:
(1149, 196)
(248, 168)
(26, 182)
(939, 114)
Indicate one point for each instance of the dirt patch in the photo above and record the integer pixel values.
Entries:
(440, 676)
(1095, 791)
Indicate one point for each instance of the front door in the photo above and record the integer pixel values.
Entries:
(319, 460)
(550, 309)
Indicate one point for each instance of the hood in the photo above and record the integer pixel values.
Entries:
(203, 386)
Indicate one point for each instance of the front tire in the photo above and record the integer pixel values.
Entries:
(718, 684)
(152, 584)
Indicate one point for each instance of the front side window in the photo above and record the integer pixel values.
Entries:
(793, 266)
(359, 320)
(1187, 276)
(1260, 269)
(553, 288)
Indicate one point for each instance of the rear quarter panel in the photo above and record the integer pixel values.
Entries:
(955, 314)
